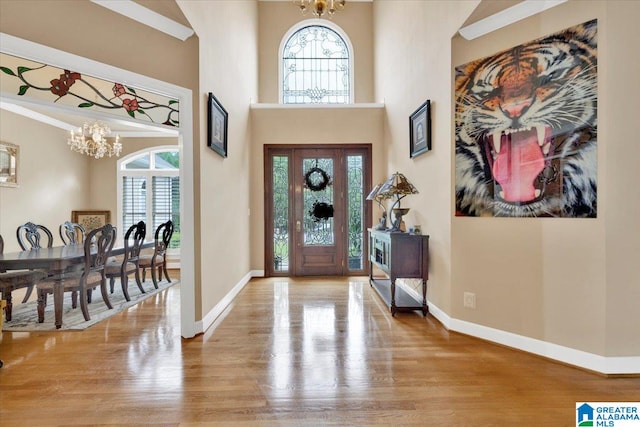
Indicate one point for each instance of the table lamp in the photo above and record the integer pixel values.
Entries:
(379, 198)
(397, 186)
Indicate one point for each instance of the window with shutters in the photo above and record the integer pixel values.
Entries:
(149, 191)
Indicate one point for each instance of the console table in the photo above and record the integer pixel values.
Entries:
(399, 255)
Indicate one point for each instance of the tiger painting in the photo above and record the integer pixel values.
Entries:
(526, 129)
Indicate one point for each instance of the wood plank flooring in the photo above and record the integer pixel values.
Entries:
(287, 353)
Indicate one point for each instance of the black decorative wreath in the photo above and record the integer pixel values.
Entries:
(320, 184)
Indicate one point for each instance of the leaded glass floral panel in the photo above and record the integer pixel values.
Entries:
(355, 211)
(318, 231)
(280, 177)
(315, 67)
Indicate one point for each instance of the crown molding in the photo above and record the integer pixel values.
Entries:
(507, 17)
(146, 16)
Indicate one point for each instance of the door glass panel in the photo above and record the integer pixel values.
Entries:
(317, 212)
(280, 172)
(355, 211)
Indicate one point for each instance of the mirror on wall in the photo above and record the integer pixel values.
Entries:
(9, 164)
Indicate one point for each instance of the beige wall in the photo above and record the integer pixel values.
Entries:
(619, 91)
(53, 181)
(229, 70)
(572, 282)
(561, 280)
(86, 29)
(421, 31)
(276, 18)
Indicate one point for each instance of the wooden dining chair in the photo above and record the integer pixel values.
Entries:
(72, 233)
(122, 268)
(157, 262)
(30, 236)
(97, 249)
(17, 279)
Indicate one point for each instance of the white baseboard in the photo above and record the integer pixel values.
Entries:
(213, 315)
(570, 356)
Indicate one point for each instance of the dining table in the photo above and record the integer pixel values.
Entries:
(55, 261)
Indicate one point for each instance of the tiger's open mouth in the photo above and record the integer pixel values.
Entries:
(518, 157)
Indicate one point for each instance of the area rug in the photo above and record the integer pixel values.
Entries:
(24, 317)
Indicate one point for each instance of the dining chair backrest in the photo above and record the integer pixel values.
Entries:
(1, 244)
(102, 239)
(30, 236)
(162, 238)
(137, 232)
(72, 233)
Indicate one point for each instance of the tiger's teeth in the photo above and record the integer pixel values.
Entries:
(541, 134)
(496, 140)
(501, 194)
(537, 192)
(545, 148)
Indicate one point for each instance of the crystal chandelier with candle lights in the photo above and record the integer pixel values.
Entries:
(320, 7)
(91, 140)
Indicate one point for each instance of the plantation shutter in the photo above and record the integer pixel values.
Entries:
(166, 204)
(134, 201)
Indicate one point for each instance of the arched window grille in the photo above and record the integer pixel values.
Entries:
(316, 66)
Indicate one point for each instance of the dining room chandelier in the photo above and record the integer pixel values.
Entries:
(320, 7)
(91, 140)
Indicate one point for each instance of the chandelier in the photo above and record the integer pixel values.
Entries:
(319, 7)
(91, 140)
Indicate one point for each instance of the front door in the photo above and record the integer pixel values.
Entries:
(316, 210)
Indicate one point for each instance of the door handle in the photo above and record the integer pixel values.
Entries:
(298, 226)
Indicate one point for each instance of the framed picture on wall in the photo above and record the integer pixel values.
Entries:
(91, 219)
(217, 126)
(420, 130)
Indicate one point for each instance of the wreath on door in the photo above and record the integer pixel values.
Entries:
(316, 179)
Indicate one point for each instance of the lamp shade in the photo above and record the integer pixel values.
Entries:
(397, 185)
(372, 195)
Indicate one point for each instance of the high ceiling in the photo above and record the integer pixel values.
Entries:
(66, 120)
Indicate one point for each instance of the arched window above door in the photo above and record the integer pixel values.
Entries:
(316, 64)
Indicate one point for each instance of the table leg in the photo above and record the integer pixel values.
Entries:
(58, 299)
(393, 296)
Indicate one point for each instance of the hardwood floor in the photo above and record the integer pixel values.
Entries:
(287, 353)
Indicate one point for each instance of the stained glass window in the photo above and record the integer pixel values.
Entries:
(280, 178)
(316, 67)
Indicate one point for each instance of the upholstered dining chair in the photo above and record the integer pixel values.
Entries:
(122, 268)
(92, 274)
(157, 262)
(17, 279)
(30, 236)
(72, 233)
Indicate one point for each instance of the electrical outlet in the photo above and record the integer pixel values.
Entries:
(469, 300)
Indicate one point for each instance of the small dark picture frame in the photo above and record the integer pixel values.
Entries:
(217, 126)
(420, 130)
